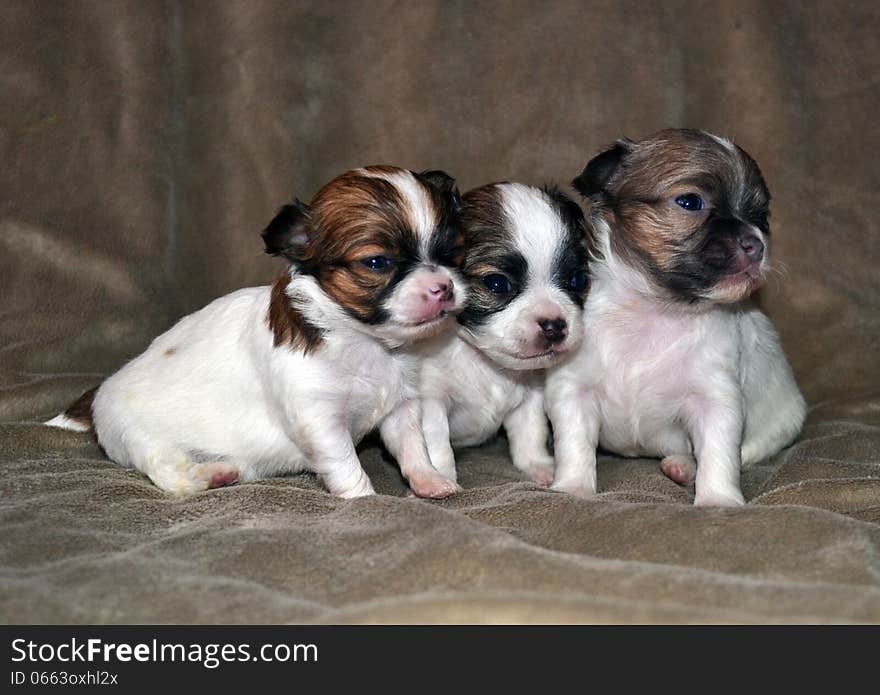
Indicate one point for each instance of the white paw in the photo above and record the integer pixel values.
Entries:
(540, 471)
(578, 488)
(718, 498)
(363, 488)
(433, 485)
(447, 470)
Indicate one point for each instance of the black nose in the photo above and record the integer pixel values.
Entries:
(753, 247)
(554, 330)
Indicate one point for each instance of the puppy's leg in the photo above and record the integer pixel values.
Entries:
(123, 436)
(774, 407)
(401, 432)
(435, 422)
(527, 431)
(169, 467)
(715, 423)
(331, 454)
(575, 419)
(175, 472)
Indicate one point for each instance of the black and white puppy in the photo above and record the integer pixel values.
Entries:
(675, 363)
(525, 262)
(274, 380)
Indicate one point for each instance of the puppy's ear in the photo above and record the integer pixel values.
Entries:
(600, 169)
(289, 232)
(444, 183)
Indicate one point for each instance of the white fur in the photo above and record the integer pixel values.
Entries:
(417, 203)
(65, 423)
(724, 142)
(475, 382)
(214, 395)
(654, 379)
(466, 398)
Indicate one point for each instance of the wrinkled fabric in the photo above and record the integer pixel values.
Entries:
(146, 144)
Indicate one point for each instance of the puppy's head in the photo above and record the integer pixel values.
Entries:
(686, 208)
(525, 262)
(384, 244)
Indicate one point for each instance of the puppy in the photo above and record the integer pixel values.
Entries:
(675, 363)
(525, 263)
(268, 381)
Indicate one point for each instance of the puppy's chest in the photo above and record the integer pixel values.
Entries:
(375, 387)
(365, 382)
(643, 366)
(480, 400)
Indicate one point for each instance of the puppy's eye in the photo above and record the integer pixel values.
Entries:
(497, 283)
(578, 281)
(380, 264)
(690, 202)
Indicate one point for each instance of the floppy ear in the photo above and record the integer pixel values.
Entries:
(289, 232)
(444, 183)
(600, 169)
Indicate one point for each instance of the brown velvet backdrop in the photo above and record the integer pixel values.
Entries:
(145, 144)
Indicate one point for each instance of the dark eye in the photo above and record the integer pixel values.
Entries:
(497, 283)
(578, 281)
(378, 263)
(689, 201)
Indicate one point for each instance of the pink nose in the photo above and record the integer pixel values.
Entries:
(442, 291)
(438, 298)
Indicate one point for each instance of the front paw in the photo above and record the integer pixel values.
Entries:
(362, 488)
(433, 485)
(578, 488)
(718, 498)
(540, 471)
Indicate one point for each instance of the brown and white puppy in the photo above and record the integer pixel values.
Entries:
(274, 380)
(675, 363)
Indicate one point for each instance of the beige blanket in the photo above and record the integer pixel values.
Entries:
(145, 144)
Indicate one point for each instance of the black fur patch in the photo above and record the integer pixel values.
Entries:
(573, 254)
(489, 249)
(599, 170)
(288, 232)
(81, 409)
(447, 241)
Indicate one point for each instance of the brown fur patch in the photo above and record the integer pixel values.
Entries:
(81, 409)
(359, 216)
(287, 323)
(170, 351)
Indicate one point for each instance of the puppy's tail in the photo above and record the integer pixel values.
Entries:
(78, 416)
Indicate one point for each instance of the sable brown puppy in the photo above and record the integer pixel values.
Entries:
(675, 363)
